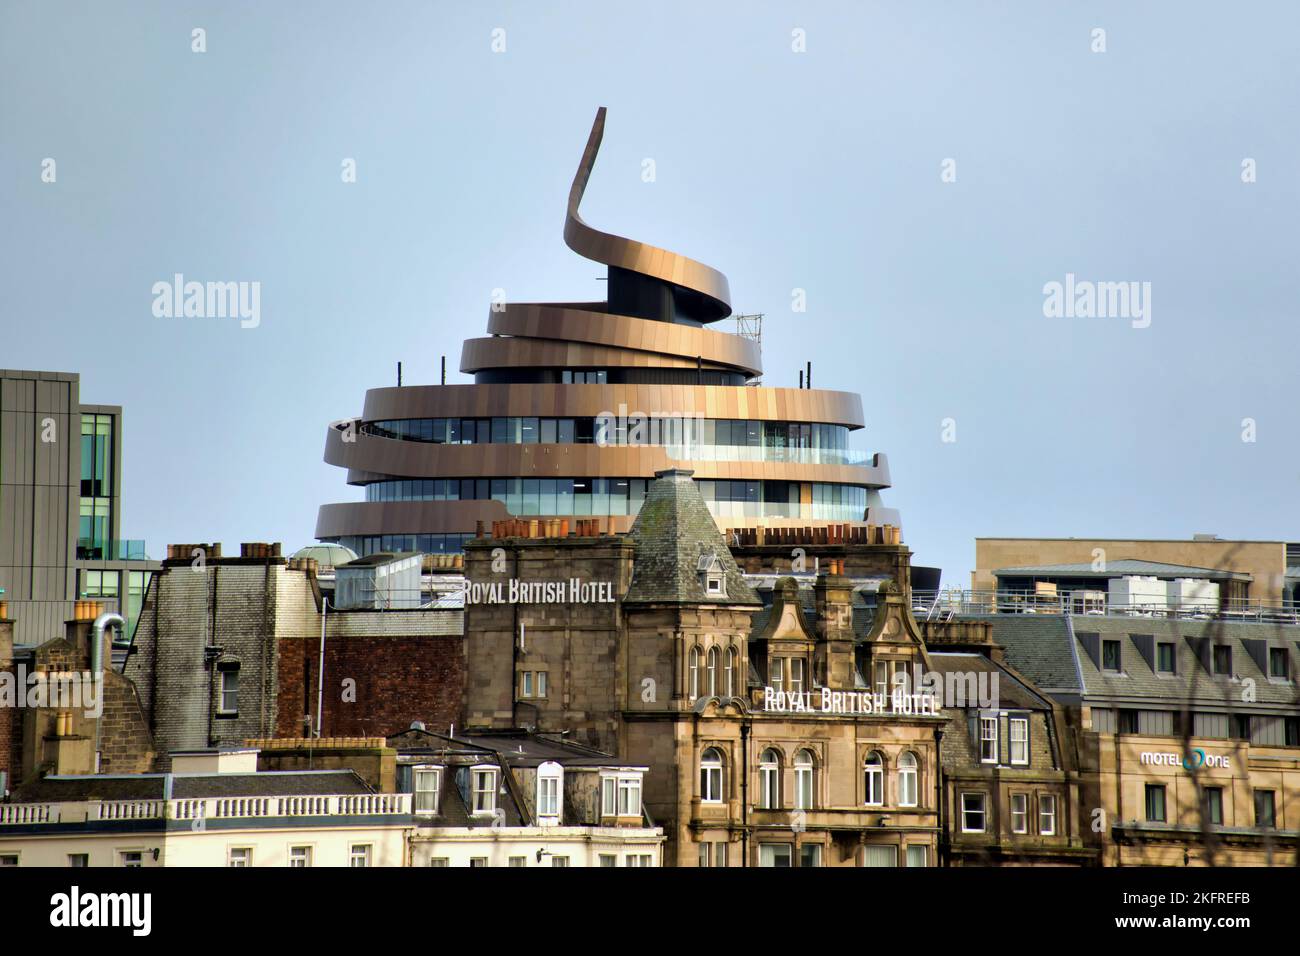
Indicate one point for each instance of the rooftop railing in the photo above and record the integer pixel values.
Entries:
(208, 808)
(949, 604)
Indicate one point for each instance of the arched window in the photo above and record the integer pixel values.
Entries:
(874, 779)
(730, 682)
(803, 780)
(713, 671)
(907, 789)
(769, 780)
(711, 776)
(693, 673)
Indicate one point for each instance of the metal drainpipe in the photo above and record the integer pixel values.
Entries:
(940, 848)
(97, 662)
(744, 792)
(514, 653)
(320, 672)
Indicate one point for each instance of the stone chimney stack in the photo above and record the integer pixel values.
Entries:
(833, 594)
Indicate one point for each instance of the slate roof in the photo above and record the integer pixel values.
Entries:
(1191, 680)
(1012, 692)
(1057, 654)
(1039, 646)
(528, 749)
(150, 786)
(672, 530)
(1125, 566)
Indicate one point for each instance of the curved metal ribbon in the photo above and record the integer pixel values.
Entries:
(603, 247)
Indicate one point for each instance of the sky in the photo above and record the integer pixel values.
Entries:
(921, 171)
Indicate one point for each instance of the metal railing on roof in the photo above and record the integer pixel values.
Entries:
(944, 605)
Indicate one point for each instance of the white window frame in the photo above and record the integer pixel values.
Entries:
(796, 675)
(873, 794)
(778, 674)
(712, 661)
(300, 856)
(244, 860)
(909, 778)
(805, 796)
(730, 671)
(550, 791)
(483, 799)
(122, 858)
(987, 723)
(693, 673)
(620, 795)
(362, 859)
(1047, 814)
(1020, 816)
(416, 790)
(223, 673)
(983, 811)
(629, 795)
(916, 847)
(883, 670)
(1022, 724)
(769, 780)
(711, 776)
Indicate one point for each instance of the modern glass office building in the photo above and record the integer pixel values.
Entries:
(60, 506)
(575, 406)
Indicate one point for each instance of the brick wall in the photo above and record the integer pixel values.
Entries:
(375, 684)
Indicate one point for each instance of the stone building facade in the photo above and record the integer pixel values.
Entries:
(767, 746)
(228, 649)
(1010, 774)
(58, 715)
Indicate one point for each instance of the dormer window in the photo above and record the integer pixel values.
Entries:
(550, 777)
(713, 577)
(426, 784)
(484, 791)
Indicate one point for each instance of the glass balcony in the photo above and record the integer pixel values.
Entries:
(121, 549)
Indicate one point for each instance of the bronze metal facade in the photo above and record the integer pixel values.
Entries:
(645, 352)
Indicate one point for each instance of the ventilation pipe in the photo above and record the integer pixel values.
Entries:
(105, 620)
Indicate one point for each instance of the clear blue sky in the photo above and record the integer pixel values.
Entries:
(818, 170)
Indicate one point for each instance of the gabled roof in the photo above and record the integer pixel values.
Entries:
(672, 533)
